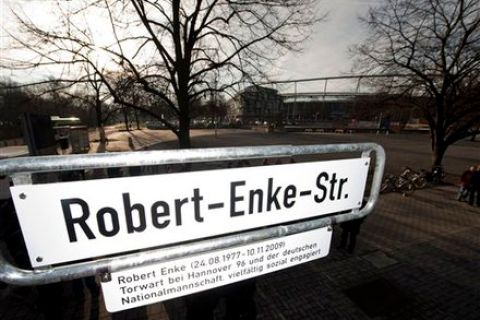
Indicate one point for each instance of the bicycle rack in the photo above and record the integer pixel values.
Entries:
(21, 170)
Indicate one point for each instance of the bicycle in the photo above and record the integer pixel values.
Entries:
(419, 179)
(392, 183)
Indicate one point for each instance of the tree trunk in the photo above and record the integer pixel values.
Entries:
(439, 148)
(102, 135)
(183, 133)
(439, 145)
(184, 108)
(100, 128)
(184, 140)
(125, 118)
(136, 119)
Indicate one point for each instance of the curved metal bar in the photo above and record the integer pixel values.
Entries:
(13, 275)
(162, 157)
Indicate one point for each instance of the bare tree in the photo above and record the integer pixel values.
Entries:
(435, 44)
(171, 49)
(47, 99)
(91, 93)
(98, 104)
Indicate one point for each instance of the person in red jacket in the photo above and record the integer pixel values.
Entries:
(465, 184)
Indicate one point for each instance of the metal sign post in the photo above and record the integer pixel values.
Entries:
(137, 222)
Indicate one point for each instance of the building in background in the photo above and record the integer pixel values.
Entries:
(256, 104)
(307, 108)
(330, 110)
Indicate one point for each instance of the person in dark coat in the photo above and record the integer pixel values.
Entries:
(50, 301)
(239, 296)
(475, 188)
(350, 230)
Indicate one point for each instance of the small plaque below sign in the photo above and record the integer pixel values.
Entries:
(154, 283)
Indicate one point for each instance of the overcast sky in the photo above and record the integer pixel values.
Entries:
(324, 54)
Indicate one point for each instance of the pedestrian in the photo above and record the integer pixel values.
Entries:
(350, 231)
(50, 298)
(465, 184)
(239, 297)
(88, 282)
(475, 188)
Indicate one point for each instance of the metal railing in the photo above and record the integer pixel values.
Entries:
(21, 169)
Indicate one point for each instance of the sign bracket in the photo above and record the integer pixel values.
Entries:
(22, 178)
(105, 277)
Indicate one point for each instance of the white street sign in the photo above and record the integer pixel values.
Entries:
(154, 283)
(69, 221)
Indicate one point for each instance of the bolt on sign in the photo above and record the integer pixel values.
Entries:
(70, 221)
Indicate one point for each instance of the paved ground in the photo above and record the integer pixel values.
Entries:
(419, 255)
(402, 149)
(13, 151)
